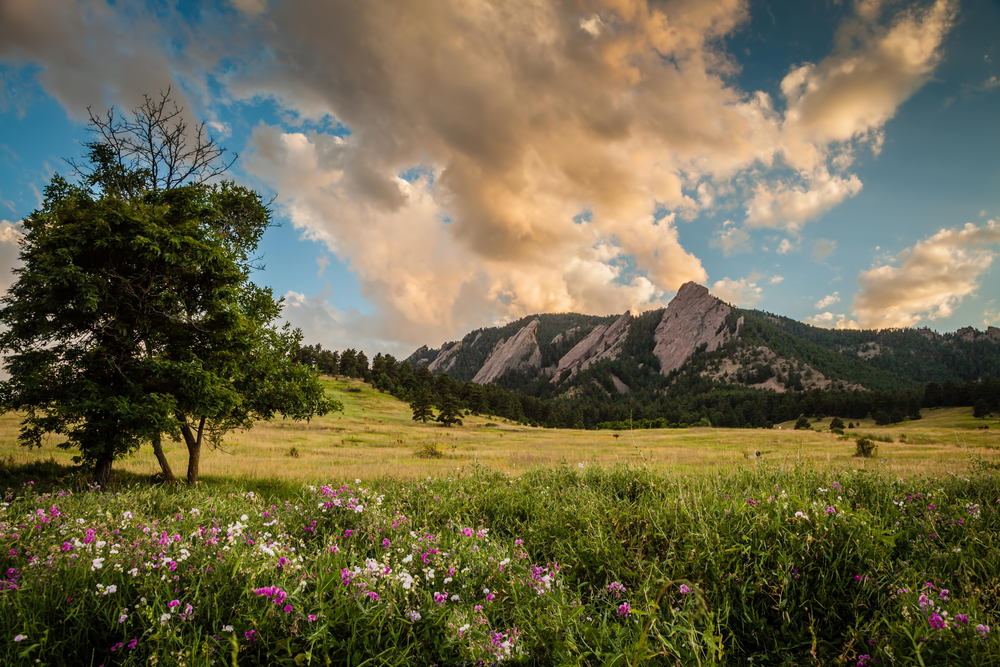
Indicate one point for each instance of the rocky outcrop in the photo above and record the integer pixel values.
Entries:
(518, 352)
(565, 335)
(446, 358)
(692, 318)
(422, 356)
(619, 385)
(604, 342)
(971, 334)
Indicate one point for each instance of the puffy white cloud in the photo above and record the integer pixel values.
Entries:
(789, 207)
(785, 247)
(520, 114)
(774, 280)
(873, 70)
(828, 300)
(743, 292)
(932, 278)
(829, 320)
(731, 240)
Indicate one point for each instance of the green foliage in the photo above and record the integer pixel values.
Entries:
(133, 316)
(428, 450)
(450, 411)
(866, 447)
(981, 409)
(759, 566)
(837, 423)
(802, 424)
(422, 405)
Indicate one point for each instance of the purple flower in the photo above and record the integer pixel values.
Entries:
(962, 618)
(311, 617)
(863, 660)
(250, 635)
(624, 609)
(944, 594)
(983, 630)
(174, 603)
(288, 609)
(685, 589)
(830, 510)
(935, 621)
(133, 643)
(616, 588)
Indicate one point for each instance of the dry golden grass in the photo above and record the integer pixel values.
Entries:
(375, 436)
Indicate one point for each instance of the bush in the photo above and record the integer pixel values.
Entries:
(866, 447)
(836, 423)
(428, 450)
(802, 424)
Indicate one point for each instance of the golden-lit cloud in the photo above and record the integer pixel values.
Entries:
(931, 278)
(743, 292)
(507, 157)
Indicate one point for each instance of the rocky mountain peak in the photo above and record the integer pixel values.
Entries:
(519, 351)
(692, 318)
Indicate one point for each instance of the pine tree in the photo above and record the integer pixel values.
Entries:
(422, 406)
(451, 411)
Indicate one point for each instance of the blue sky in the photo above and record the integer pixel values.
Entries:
(462, 163)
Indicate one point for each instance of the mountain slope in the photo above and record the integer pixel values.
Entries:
(697, 334)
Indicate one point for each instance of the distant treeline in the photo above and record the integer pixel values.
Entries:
(691, 399)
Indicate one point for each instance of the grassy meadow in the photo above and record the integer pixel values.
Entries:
(339, 542)
(376, 437)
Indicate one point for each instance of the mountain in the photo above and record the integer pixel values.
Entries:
(698, 338)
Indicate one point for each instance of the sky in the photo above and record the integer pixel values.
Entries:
(443, 165)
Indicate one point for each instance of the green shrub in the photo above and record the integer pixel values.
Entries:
(428, 450)
(802, 424)
(866, 447)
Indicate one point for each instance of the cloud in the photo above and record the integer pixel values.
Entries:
(91, 54)
(252, 7)
(743, 292)
(871, 72)
(520, 114)
(731, 240)
(931, 280)
(789, 207)
(828, 300)
(823, 248)
(785, 247)
(11, 234)
(829, 320)
(774, 280)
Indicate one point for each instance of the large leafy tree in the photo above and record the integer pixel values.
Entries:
(133, 316)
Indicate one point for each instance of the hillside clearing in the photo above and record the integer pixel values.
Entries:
(376, 437)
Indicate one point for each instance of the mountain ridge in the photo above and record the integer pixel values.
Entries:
(698, 334)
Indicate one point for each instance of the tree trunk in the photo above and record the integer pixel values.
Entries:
(168, 474)
(102, 469)
(193, 443)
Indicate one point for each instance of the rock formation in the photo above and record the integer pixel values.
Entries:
(446, 358)
(519, 351)
(692, 318)
(604, 342)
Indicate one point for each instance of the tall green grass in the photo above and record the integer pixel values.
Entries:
(589, 566)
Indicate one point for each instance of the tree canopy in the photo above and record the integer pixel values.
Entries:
(133, 315)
